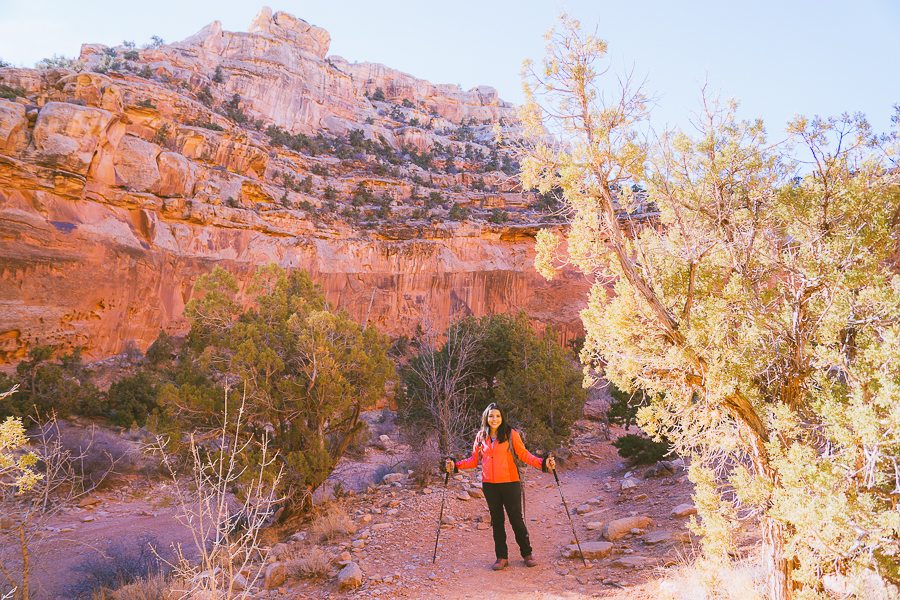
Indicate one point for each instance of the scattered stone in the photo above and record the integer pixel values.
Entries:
(301, 535)
(484, 526)
(384, 438)
(393, 512)
(89, 501)
(350, 576)
(393, 503)
(239, 583)
(358, 544)
(344, 558)
(464, 496)
(275, 575)
(365, 518)
(448, 520)
(584, 508)
(392, 478)
(684, 510)
(628, 484)
(594, 525)
(427, 491)
(591, 550)
(476, 492)
(661, 535)
(640, 497)
(619, 528)
(631, 562)
(381, 526)
(88, 519)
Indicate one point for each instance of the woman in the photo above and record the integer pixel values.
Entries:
(495, 443)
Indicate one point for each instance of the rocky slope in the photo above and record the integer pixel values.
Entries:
(125, 178)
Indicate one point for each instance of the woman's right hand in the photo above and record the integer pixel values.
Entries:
(449, 466)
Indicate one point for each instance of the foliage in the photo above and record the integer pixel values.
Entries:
(624, 407)
(498, 216)
(378, 96)
(19, 468)
(124, 561)
(59, 62)
(146, 103)
(495, 358)
(218, 76)
(11, 93)
(161, 350)
(132, 399)
(156, 42)
(641, 450)
(762, 311)
(45, 387)
(458, 212)
(145, 72)
(309, 371)
(234, 110)
(162, 136)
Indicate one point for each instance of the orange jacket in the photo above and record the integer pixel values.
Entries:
(497, 464)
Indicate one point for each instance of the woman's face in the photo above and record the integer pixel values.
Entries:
(494, 419)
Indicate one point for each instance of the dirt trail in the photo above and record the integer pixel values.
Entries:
(401, 523)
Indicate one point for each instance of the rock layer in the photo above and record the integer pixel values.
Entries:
(117, 192)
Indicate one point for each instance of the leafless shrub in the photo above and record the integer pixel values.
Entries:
(422, 462)
(314, 564)
(332, 522)
(97, 453)
(703, 579)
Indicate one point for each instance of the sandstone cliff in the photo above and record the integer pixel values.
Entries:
(122, 183)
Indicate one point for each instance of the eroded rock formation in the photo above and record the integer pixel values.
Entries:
(119, 188)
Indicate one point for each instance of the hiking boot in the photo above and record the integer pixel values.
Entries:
(500, 564)
(530, 561)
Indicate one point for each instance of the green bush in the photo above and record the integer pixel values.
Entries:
(11, 93)
(640, 450)
(132, 399)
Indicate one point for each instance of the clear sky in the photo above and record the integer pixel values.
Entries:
(779, 57)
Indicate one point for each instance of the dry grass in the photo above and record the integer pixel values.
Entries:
(152, 588)
(704, 579)
(314, 565)
(332, 522)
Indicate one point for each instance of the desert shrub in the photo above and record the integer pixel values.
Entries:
(332, 522)
(146, 103)
(378, 96)
(423, 461)
(59, 62)
(154, 587)
(314, 564)
(498, 216)
(11, 93)
(162, 136)
(624, 407)
(59, 387)
(162, 350)
(145, 72)
(218, 77)
(640, 450)
(96, 452)
(458, 213)
(123, 562)
(132, 399)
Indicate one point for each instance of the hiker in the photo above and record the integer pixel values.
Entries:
(495, 443)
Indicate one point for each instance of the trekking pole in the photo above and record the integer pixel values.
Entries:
(441, 517)
(566, 506)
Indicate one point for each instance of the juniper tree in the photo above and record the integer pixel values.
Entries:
(761, 309)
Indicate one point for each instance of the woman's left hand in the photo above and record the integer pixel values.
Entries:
(551, 463)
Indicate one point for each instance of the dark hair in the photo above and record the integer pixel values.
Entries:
(503, 431)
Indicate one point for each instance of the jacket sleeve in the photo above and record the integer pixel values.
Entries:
(524, 455)
(472, 461)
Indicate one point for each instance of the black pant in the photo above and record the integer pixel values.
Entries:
(508, 495)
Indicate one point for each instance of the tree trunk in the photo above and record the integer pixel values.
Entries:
(778, 567)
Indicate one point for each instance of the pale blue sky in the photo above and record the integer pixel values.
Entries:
(779, 57)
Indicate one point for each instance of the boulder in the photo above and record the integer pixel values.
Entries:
(661, 535)
(590, 550)
(13, 124)
(66, 136)
(632, 562)
(135, 165)
(628, 484)
(275, 575)
(619, 528)
(684, 510)
(583, 509)
(350, 577)
(392, 478)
